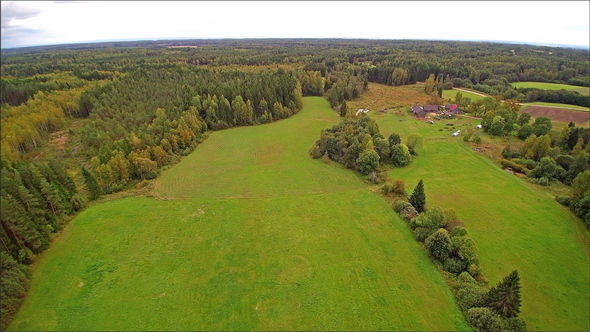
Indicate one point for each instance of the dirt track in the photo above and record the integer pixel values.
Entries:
(558, 114)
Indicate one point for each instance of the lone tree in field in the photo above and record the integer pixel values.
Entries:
(504, 298)
(418, 198)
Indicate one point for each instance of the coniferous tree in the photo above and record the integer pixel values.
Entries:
(343, 109)
(504, 298)
(418, 198)
(91, 184)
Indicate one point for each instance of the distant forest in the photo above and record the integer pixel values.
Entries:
(128, 109)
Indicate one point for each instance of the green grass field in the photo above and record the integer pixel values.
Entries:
(450, 94)
(568, 106)
(252, 235)
(514, 226)
(552, 86)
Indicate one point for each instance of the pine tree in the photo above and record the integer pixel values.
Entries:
(504, 298)
(418, 198)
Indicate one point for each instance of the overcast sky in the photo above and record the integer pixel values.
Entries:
(28, 23)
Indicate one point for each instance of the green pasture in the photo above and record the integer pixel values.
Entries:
(450, 94)
(514, 226)
(568, 106)
(279, 242)
(552, 86)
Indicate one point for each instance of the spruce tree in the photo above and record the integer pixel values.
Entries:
(91, 184)
(418, 198)
(343, 109)
(504, 298)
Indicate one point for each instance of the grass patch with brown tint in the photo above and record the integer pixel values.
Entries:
(380, 96)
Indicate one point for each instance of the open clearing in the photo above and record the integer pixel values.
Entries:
(558, 114)
(381, 96)
(585, 91)
(514, 226)
(302, 245)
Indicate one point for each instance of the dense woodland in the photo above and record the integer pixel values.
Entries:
(129, 109)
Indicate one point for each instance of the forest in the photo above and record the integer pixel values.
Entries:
(132, 108)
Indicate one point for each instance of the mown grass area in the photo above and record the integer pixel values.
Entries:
(514, 225)
(568, 106)
(263, 161)
(552, 86)
(450, 95)
(286, 255)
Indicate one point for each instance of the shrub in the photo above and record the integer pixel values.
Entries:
(458, 231)
(515, 324)
(408, 213)
(528, 163)
(454, 265)
(387, 189)
(400, 205)
(421, 233)
(465, 277)
(435, 218)
(563, 200)
(439, 245)
(473, 269)
(466, 249)
(399, 187)
(315, 152)
(542, 181)
(367, 162)
(484, 319)
(400, 155)
(471, 295)
(450, 215)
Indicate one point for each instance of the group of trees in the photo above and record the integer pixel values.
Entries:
(546, 155)
(450, 246)
(37, 199)
(553, 96)
(358, 144)
(131, 136)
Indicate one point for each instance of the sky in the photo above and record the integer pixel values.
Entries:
(33, 23)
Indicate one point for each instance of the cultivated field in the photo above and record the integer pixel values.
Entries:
(514, 226)
(552, 86)
(252, 235)
(558, 114)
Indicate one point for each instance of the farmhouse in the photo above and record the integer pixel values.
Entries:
(418, 111)
(431, 108)
(453, 108)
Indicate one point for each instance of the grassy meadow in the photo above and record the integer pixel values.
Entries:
(381, 96)
(585, 91)
(450, 95)
(514, 225)
(568, 106)
(249, 234)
